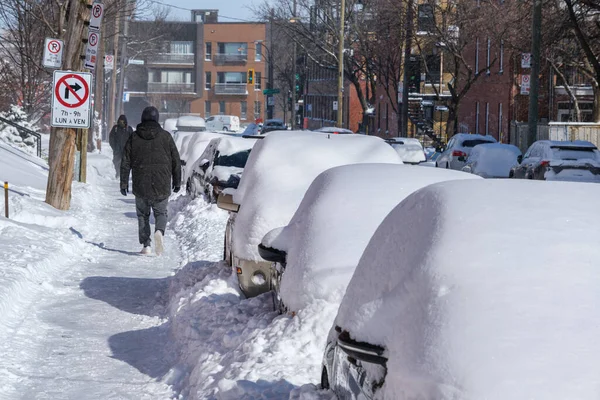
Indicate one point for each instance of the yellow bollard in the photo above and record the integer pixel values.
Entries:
(6, 199)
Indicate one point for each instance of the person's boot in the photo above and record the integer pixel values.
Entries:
(146, 250)
(158, 243)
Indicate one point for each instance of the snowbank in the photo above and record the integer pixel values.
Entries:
(279, 171)
(477, 296)
(493, 160)
(324, 240)
(22, 169)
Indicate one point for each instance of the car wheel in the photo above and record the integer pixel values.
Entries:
(324, 379)
(225, 129)
(511, 174)
(437, 165)
(447, 165)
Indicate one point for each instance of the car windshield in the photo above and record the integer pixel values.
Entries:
(475, 142)
(574, 153)
(234, 160)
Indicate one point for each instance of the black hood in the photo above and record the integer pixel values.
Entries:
(122, 118)
(148, 130)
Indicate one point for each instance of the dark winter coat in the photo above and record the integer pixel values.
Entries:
(153, 158)
(118, 137)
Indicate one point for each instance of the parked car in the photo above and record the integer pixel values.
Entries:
(431, 160)
(465, 293)
(190, 123)
(279, 170)
(553, 160)
(251, 129)
(227, 123)
(317, 252)
(219, 167)
(458, 149)
(271, 125)
(334, 130)
(492, 160)
(190, 146)
(170, 125)
(410, 150)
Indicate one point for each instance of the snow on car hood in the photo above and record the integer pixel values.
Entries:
(280, 169)
(324, 242)
(466, 287)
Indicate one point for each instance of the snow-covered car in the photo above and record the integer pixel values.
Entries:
(410, 150)
(219, 167)
(170, 125)
(492, 160)
(271, 125)
(190, 123)
(563, 161)
(334, 130)
(458, 149)
(251, 130)
(190, 146)
(431, 160)
(317, 252)
(465, 293)
(279, 170)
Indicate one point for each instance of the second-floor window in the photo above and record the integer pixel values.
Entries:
(221, 107)
(231, 77)
(243, 109)
(426, 20)
(182, 48)
(257, 80)
(258, 54)
(207, 80)
(233, 48)
(208, 51)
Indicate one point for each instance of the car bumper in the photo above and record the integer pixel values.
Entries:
(254, 277)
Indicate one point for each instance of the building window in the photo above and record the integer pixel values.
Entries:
(206, 109)
(256, 109)
(488, 56)
(487, 118)
(207, 80)
(258, 54)
(477, 117)
(244, 109)
(232, 77)
(257, 80)
(501, 70)
(477, 56)
(500, 116)
(233, 48)
(208, 52)
(221, 107)
(426, 20)
(182, 47)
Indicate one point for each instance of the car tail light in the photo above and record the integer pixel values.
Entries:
(239, 270)
(458, 153)
(544, 163)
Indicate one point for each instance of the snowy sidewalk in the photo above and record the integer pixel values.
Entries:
(89, 325)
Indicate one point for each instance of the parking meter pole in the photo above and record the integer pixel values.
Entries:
(6, 199)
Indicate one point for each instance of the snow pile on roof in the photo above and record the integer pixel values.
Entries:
(493, 160)
(191, 146)
(187, 121)
(324, 243)
(229, 145)
(477, 296)
(279, 171)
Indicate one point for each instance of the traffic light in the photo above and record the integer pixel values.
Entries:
(299, 84)
(250, 76)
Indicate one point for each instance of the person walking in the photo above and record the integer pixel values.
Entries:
(152, 157)
(117, 138)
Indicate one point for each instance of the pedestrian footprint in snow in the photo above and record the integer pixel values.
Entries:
(152, 157)
(118, 137)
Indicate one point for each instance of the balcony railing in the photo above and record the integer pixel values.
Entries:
(231, 88)
(159, 87)
(171, 58)
(221, 59)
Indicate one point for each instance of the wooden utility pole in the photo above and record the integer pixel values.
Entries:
(62, 148)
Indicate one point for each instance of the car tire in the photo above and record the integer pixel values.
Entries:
(447, 165)
(325, 379)
(437, 165)
(225, 129)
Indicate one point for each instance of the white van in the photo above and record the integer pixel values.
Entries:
(229, 123)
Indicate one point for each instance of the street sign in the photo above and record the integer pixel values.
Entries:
(132, 61)
(125, 97)
(526, 60)
(96, 17)
(270, 101)
(271, 91)
(525, 84)
(109, 62)
(91, 52)
(335, 106)
(53, 49)
(71, 99)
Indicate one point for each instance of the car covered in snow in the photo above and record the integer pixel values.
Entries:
(190, 123)
(458, 149)
(219, 167)
(465, 293)
(271, 125)
(190, 146)
(170, 125)
(410, 150)
(556, 160)
(317, 252)
(279, 170)
(492, 160)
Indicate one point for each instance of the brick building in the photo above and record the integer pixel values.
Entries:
(198, 67)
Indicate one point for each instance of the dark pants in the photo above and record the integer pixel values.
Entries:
(117, 164)
(142, 209)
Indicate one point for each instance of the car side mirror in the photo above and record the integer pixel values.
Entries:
(520, 159)
(204, 164)
(225, 202)
(271, 254)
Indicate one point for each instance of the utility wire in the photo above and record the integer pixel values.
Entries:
(189, 9)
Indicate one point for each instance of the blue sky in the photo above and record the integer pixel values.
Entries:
(227, 8)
